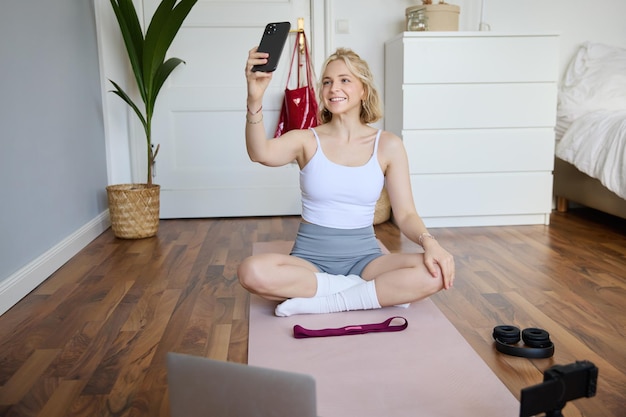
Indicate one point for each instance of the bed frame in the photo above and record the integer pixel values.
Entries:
(572, 185)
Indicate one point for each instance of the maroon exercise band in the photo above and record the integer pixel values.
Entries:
(300, 332)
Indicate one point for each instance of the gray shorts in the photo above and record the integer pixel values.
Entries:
(336, 251)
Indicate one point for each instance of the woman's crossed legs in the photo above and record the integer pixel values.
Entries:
(388, 280)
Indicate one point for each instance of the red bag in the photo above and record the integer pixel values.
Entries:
(299, 110)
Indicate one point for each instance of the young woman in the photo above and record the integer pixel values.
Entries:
(336, 263)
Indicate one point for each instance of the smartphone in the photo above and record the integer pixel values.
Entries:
(273, 41)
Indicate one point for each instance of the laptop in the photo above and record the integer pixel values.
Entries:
(203, 387)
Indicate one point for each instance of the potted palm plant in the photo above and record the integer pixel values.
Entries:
(134, 208)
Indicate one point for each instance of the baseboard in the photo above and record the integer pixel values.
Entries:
(18, 285)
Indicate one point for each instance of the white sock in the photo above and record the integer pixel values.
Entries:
(358, 297)
(328, 284)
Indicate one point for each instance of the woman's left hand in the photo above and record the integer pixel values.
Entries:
(439, 261)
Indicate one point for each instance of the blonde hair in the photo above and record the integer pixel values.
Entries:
(371, 108)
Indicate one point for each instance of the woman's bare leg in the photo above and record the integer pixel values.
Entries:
(273, 275)
(402, 278)
(277, 276)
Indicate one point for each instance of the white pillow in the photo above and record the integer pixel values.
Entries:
(594, 80)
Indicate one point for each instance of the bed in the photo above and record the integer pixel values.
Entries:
(590, 163)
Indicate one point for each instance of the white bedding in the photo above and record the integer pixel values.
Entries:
(596, 145)
(591, 114)
(595, 79)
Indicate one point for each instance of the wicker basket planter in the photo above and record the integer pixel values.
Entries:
(383, 208)
(134, 210)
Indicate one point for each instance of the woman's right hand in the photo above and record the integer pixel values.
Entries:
(257, 81)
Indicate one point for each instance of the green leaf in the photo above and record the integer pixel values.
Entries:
(157, 24)
(163, 72)
(165, 24)
(121, 93)
(133, 39)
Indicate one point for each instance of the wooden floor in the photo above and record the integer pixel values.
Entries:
(91, 340)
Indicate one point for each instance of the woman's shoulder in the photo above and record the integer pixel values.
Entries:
(390, 148)
(298, 134)
(390, 140)
(321, 129)
(304, 140)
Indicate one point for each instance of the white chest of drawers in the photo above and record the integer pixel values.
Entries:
(476, 111)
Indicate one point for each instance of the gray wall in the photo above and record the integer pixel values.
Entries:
(52, 154)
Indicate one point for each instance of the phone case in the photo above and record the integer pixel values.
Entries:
(273, 41)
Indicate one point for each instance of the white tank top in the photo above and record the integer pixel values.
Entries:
(340, 196)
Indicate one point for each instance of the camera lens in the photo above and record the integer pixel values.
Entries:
(270, 29)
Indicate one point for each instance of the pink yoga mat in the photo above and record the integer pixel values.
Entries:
(427, 370)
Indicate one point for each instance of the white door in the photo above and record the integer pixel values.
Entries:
(199, 120)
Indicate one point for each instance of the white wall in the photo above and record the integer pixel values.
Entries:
(575, 20)
(372, 22)
(52, 164)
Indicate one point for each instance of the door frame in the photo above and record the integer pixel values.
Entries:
(119, 127)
